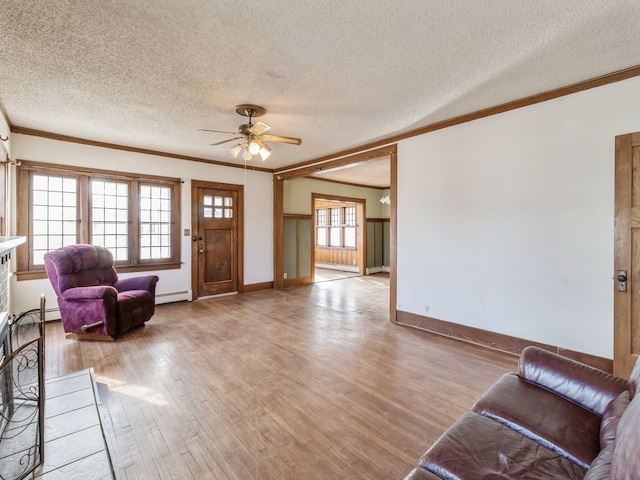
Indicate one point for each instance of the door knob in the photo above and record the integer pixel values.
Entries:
(622, 280)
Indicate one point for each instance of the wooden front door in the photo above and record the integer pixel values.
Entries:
(216, 240)
(626, 275)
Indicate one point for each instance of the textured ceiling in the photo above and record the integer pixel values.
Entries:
(149, 73)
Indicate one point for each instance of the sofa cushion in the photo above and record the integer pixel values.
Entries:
(626, 457)
(477, 447)
(589, 387)
(539, 414)
(611, 418)
(634, 379)
(600, 468)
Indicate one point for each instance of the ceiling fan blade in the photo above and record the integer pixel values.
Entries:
(281, 139)
(259, 128)
(227, 140)
(217, 131)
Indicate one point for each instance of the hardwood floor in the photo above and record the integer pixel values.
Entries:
(328, 275)
(311, 382)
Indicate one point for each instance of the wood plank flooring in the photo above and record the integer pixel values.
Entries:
(311, 382)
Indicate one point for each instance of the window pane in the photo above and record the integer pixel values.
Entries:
(55, 198)
(208, 200)
(334, 237)
(155, 245)
(40, 183)
(40, 197)
(350, 237)
(109, 210)
(350, 216)
(336, 216)
(217, 201)
(321, 217)
(53, 214)
(55, 184)
(322, 236)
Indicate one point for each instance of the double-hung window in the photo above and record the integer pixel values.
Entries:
(336, 226)
(136, 217)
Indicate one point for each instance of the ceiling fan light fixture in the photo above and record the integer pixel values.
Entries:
(235, 150)
(254, 147)
(252, 136)
(265, 151)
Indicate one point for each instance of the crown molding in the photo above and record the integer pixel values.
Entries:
(66, 138)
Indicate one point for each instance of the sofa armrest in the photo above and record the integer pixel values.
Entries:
(587, 386)
(141, 282)
(421, 474)
(89, 293)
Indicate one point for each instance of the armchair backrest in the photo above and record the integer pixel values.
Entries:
(79, 266)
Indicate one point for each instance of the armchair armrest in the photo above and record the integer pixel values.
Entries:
(142, 282)
(98, 292)
(587, 386)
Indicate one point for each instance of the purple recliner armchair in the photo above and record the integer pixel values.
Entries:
(93, 302)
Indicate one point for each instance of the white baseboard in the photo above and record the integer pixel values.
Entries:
(343, 268)
(170, 297)
(373, 270)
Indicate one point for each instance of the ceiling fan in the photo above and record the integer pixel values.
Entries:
(253, 137)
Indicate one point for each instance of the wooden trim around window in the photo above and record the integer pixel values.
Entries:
(83, 175)
(38, 274)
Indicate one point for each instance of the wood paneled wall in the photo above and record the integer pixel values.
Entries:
(337, 256)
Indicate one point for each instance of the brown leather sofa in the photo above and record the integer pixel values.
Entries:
(555, 419)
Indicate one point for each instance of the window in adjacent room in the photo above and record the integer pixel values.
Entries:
(321, 227)
(336, 226)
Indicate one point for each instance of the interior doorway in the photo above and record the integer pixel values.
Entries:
(289, 211)
(339, 237)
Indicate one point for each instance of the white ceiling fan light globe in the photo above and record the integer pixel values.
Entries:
(235, 150)
(264, 153)
(246, 155)
(254, 148)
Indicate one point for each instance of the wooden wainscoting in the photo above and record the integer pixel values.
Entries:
(337, 256)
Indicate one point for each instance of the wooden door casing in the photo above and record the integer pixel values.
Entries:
(626, 345)
(217, 238)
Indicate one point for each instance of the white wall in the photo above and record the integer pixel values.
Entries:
(506, 223)
(258, 229)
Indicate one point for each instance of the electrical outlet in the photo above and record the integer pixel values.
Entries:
(187, 232)
(427, 309)
(285, 274)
